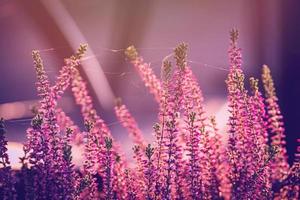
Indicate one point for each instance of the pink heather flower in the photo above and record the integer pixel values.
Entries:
(63, 81)
(295, 172)
(3, 143)
(297, 154)
(139, 157)
(279, 164)
(108, 169)
(294, 180)
(195, 121)
(65, 74)
(33, 161)
(193, 98)
(47, 150)
(220, 183)
(159, 156)
(65, 122)
(155, 88)
(188, 159)
(207, 181)
(132, 188)
(100, 130)
(210, 155)
(257, 108)
(44, 137)
(145, 72)
(51, 149)
(192, 105)
(173, 161)
(119, 180)
(289, 188)
(7, 181)
(193, 164)
(82, 98)
(160, 148)
(86, 187)
(92, 151)
(42, 84)
(45, 147)
(259, 177)
(239, 144)
(68, 166)
(149, 173)
(130, 124)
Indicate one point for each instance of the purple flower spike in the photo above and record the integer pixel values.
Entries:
(7, 181)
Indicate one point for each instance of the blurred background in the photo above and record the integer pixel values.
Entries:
(269, 34)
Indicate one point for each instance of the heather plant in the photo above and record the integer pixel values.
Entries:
(188, 158)
(7, 188)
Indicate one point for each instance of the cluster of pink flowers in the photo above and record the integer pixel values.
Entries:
(7, 188)
(188, 159)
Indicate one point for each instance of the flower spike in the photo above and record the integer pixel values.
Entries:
(180, 55)
(279, 165)
(145, 72)
(129, 123)
(7, 181)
